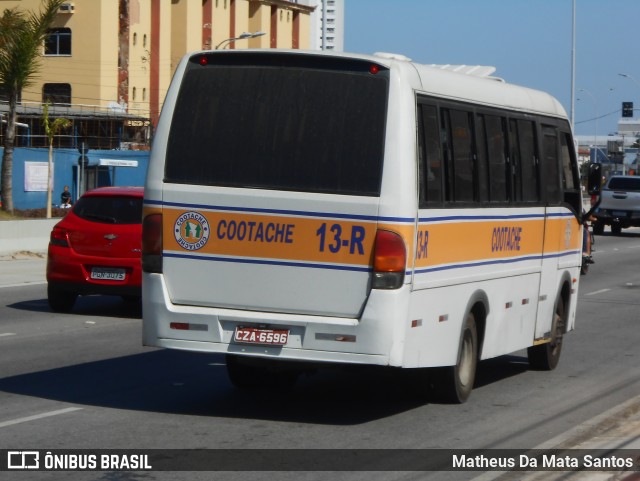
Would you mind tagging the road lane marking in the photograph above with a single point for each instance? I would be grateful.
(7, 334)
(37, 416)
(601, 291)
(22, 284)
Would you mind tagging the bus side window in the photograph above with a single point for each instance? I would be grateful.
(447, 154)
(550, 170)
(528, 161)
(570, 178)
(430, 156)
(422, 159)
(496, 153)
(529, 170)
(482, 167)
(515, 157)
(462, 143)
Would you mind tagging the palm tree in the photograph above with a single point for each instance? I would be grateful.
(22, 36)
(51, 129)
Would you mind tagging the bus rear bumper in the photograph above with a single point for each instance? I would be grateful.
(366, 340)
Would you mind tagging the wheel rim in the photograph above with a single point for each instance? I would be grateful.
(465, 371)
(556, 338)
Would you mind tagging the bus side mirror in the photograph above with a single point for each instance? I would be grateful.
(594, 179)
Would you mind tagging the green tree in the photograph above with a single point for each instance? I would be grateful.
(22, 35)
(51, 129)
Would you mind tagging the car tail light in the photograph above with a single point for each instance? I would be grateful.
(59, 237)
(152, 243)
(389, 260)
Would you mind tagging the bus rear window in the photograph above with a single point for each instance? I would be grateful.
(300, 128)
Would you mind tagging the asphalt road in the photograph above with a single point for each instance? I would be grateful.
(83, 380)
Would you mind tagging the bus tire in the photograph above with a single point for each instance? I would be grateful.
(455, 383)
(248, 373)
(545, 357)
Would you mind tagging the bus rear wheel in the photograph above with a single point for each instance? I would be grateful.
(455, 383)
(545, 357)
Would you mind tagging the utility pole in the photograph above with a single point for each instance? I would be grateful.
(573, 65)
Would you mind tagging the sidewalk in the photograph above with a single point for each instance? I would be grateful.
(23, 268)
(615, 432)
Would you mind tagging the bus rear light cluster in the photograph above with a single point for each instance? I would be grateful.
(389, 260)
(152, 243)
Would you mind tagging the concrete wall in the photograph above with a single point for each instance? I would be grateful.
(65, 172)
(31, 235)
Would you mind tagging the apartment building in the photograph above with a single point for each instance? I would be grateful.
(117, 57)
(327, 25)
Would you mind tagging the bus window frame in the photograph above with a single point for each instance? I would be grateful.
(482, 172)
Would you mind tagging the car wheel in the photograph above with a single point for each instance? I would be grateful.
(545, 357)
(60, 300)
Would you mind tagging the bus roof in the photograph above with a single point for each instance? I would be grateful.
(456, 82)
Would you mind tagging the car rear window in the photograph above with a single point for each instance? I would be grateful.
(281, 122)
(624, 183)
(110, 209)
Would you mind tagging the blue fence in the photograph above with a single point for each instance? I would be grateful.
(102, 168)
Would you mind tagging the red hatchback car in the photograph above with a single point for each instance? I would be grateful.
(96, 248)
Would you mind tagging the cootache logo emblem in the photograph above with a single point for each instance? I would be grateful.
(191, 231)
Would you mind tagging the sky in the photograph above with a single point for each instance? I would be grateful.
(528, 41)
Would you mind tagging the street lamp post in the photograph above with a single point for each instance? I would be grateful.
(595, 134)
(638, 84)
(242, 36)
(573, 65)
(629, 77)
(625, 75)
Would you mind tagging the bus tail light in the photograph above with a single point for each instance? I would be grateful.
(152, 243)
(389, 260)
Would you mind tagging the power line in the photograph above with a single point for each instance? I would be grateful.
(598, 118)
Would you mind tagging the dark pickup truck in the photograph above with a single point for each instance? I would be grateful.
(620, 206)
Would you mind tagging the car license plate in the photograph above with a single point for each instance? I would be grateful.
(252, 335)
(619, 213)
(105, 274)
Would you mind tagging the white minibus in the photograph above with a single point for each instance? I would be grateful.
(314, 207)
